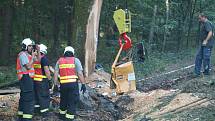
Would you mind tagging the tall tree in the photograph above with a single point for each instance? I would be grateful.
(192, 4)
(36, 20)
(165, 27)
(6, 31)
(81, 12)
(92, 37)
(151, 33)
(56, 27)
(70, 10)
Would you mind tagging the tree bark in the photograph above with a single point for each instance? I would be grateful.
(192, 10)
(36, 21)
(179, 31)
(199, 26)
(165, 27)
(151, 33)
(92, 37)
(71, 22)
(6, 33)
(56, 30)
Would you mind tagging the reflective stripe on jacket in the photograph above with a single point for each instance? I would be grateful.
(38, 71)
(67, 70)
(19, 69)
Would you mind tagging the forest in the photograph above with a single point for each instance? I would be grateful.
(164, 25)
(169, 30)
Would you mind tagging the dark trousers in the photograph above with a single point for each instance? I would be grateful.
(69, 97)
(203, 57)
(26, 101)
(42, 97)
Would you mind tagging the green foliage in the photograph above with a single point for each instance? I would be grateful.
(158, 63)
(7, 75)
(152, 64)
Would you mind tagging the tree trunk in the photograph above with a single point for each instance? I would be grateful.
(192, 10)
(36, 21)
(6, 33)
(69, 30)
(92, 37)
(199, 27)
(165, 27)
(70, 22)
(151, 33)
(73, 21)
(79, 22)
(179, 31)
(56, 30)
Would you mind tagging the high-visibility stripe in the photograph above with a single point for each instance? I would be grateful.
(19, 113)
(19, 69)
(38, 79)
(44, 110)
(68, 80)
(67, 66)
(39, 76)
(36, 106)
(69, 116)
(32, 76)
(28, 116)
(62, 112)
(37, 65)
(69, 77)
(26, 72)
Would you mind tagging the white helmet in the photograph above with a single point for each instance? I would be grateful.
(27, 42)
(43, 48)
(69, 48)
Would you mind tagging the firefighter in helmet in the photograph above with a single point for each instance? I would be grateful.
(70, 70)
(25, 73)
(41, 83)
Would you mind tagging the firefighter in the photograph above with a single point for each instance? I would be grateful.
(70, 69)
(41, 83)
(25, 73)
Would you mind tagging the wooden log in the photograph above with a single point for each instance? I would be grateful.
(9, 91)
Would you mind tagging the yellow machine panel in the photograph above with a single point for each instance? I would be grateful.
(125, 77)
(123, 20)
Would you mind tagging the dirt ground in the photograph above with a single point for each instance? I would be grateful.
(188, 99)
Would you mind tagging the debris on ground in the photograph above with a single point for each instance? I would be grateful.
(181, 99)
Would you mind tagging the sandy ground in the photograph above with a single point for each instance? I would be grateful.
(154, 104)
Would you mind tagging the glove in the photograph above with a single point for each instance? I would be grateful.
(83, 88)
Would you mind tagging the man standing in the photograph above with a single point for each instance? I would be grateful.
(207, 41)
(25, 73)
(70, 69)
(41, 83)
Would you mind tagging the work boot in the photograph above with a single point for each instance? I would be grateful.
(206, 73)
(36, 111)
(67, 119)
(46, 114)
(61, 117)
(19, 118)
(195, 75)
(209, 83)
